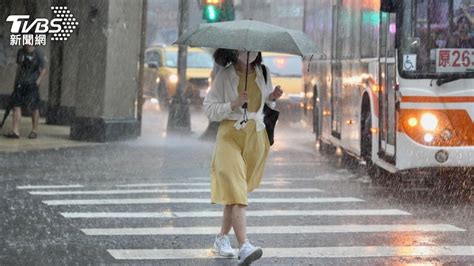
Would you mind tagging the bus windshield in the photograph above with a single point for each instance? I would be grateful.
(437, 38)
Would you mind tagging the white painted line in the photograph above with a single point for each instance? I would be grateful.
(296, 163)
(202, 214)
(347, 228)
(139, 191)
(49, 186)
(278, 179)
(302, 252)
(205, 184)
(193, 200)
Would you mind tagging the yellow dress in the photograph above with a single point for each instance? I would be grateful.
(240, 155)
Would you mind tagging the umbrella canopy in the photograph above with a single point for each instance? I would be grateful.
(248, 35)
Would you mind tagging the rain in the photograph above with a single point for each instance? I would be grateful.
(139, 132)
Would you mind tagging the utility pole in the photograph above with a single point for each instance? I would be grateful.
(179, 118)
(226, 12)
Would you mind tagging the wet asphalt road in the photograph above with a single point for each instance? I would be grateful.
(35, 233)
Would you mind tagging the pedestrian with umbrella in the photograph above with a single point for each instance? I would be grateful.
(237, 98)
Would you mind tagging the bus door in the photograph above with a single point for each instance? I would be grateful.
(387, 87)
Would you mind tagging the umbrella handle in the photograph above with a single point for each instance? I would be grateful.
(245, 105)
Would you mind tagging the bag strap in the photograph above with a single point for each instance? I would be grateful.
(264, 71)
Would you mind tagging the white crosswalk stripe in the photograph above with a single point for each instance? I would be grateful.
(301, 252)
(48, 186)
(351, 228)
(142, 191)
(202, 184)
(351, 207)
(194, 201)
(200, 214)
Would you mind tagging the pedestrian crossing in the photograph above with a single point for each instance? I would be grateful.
(120, 201)
(314, 252)
(275, 209)
(143, 191)
(208, 214)
(350, 228)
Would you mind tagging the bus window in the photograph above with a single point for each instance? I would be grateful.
(437, 38)
(369, 32)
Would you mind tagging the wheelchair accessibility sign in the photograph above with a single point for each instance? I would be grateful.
(409, 62)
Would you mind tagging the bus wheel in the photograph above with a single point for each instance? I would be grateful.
(376, 174)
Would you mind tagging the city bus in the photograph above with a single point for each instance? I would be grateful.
(393, 84)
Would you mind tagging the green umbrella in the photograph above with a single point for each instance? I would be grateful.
(248, 35)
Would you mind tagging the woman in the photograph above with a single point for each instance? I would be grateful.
(242, 143)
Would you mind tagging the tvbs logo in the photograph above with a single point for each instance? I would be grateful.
(27, 32)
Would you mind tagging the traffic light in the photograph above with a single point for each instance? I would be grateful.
(212, 10)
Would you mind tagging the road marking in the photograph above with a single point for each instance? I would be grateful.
(277, 179)
(296, 163)
(139, 191)
(49, 186)
(194, 200)
(302, 252)
(347, 228)
(205, 184)
(201, 214)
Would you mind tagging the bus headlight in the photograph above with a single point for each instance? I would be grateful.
(429, 122)
(173, 78)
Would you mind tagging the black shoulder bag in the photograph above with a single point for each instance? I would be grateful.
(270, 116)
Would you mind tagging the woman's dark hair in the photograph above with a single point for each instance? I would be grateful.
(224, 57)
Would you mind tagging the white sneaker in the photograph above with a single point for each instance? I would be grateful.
(249, 253)
(222, 246)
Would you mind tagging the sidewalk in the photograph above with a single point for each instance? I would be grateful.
(49, 137)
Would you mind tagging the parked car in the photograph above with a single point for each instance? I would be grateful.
(161, 74)
(286, 71)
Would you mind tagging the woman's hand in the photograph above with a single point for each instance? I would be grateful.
(243, 98)
(277, 93)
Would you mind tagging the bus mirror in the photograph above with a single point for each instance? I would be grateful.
(388, 6)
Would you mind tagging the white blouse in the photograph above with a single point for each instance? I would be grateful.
(224, 90)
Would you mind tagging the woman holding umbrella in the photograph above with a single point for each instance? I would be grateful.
(236, 99)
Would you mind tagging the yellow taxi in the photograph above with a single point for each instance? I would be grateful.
(286, 71)
(161, 74)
